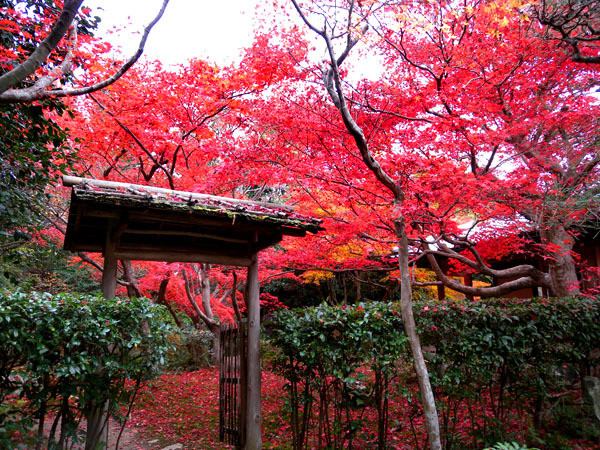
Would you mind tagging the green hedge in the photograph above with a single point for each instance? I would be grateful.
(322, 354)
(496, 365)
(501, 361)
(69, 356)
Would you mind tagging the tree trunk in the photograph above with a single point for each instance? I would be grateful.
(560, 261)
(331, 289)
(97, 425)
(97, 413)
(429, 408)
(129, 277)
(333, 83)
(213, 325)
(161, 299)
(216, 346)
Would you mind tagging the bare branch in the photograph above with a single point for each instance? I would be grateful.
(192, 299)
(139, 143)
(524, 281)
(574, 23)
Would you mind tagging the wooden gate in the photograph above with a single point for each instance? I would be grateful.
(232, 386)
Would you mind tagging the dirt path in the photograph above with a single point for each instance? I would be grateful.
(131, 439)
(134, 439)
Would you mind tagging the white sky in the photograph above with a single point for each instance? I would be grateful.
(215, 30)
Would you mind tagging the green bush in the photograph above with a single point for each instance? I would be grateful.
(342, 357)
(507, 357)
(192, 349)
(71, 356)
(496, 366)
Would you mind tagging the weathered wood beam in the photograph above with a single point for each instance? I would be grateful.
(189, 219)
(182, 256)
(103, 214)
(216, 237)
(216, 248)
(119, 229)
(267, 242)
(290, 231)
(77, 219)
(253, 416)
(179, 219)
(85, 247)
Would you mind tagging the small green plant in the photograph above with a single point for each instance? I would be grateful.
(510, 446)
(192, 349)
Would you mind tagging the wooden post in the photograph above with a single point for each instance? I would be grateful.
(253, 418)
(109, 273)
(97, 416)
(243, 382)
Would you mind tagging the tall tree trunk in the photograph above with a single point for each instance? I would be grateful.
(206, 316)
(161, 299)
(410, 327)
(560, 262)
(333, 83)
(97, 425)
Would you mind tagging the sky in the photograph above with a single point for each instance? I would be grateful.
(216, 29)
(213, 30)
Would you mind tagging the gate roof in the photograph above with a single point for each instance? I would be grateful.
(157, 224)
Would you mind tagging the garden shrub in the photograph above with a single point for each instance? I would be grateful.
(500, 368)
(501, 361)
(192, 349)
(70, 356)
(343, 358)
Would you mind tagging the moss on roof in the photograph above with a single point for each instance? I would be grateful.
(218, 207)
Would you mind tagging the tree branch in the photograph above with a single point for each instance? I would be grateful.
(522, 282)
(8, 95)
(40, 54)
(211, 324)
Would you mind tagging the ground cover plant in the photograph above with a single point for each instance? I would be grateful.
(69, 357)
